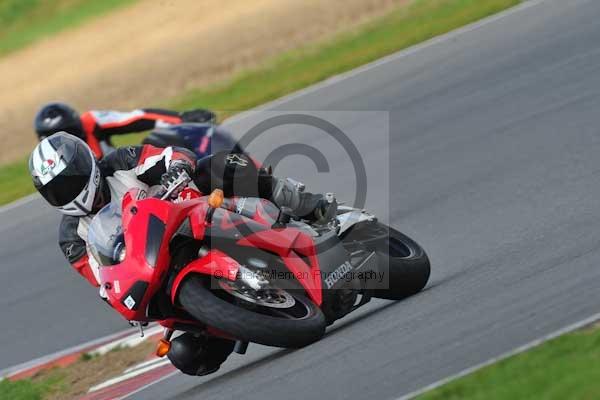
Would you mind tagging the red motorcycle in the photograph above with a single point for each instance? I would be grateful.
(243, 269)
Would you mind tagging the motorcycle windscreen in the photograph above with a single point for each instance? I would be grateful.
(106, 241)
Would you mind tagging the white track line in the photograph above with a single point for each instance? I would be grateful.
(129, 375)
(152, 361)
(138, 390)
(521, 349)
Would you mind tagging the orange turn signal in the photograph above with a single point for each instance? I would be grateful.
(216, 198)
(163, 347)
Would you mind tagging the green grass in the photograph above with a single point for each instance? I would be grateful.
(23, 22)
(14, 182)
(565, 368)
(30, 389)
(294, 70)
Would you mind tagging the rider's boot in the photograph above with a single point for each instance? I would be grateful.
(314, 207)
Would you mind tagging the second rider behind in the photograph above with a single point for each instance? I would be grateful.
(96, 127)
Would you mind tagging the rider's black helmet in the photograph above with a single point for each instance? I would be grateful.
(65, 172)
(57, 117)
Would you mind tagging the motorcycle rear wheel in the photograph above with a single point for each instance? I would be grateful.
(248, 325)
(403, 261)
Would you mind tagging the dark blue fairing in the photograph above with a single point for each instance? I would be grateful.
(202, 138)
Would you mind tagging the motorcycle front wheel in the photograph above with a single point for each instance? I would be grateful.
(281, 319)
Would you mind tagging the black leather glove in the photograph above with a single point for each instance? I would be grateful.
(198, 115)
(175, 169)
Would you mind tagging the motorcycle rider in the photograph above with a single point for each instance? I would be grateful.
(66, 173)
(96, 127)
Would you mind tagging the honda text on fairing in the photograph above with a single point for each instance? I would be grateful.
(242, 269)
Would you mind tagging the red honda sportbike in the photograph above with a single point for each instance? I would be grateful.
(243, 269)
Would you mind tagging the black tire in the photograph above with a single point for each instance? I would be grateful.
(404, 262)
(248, 325)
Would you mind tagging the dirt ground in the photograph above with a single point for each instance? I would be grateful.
(84, 374)
(155, 49)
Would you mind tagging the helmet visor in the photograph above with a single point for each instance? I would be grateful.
(69, 183)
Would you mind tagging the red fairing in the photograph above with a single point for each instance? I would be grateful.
(150, 223)
(82, 266)
(215, 263)
(136, 220)
(197, 221)
(288, 243)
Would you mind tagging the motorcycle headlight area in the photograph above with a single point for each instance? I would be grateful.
(112, 254)
(106, 241)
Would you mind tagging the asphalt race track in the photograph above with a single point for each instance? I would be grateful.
(494, 153)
